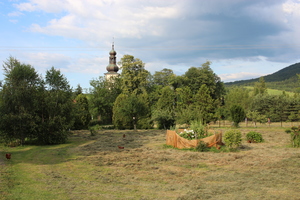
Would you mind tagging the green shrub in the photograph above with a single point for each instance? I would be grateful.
(199, 128)
(174, 128)
(233, 138)
(94, 129)
(253, 136)
(202, 147)
(295, 135)
(188, 134)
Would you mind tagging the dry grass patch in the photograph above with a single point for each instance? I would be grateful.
(93, 167)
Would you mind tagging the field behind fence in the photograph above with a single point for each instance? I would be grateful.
(250, 124)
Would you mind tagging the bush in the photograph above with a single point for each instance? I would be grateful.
(233, 138)
(202, 147)
(144, 123)
(199, 129)
(295, 135)
(93, 129)
(188, 134)
(253, 136)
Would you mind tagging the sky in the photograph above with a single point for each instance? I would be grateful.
(242, 39)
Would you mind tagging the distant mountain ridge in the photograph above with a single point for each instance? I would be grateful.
(285, 75)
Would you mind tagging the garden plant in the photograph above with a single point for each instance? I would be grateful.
(233, 138)
(254, 137)
(295, 135)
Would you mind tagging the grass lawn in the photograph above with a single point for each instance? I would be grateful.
(93, 167)
(273, 91)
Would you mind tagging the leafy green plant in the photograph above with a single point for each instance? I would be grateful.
(255, 137)
(233, 138)
(93, 129)
(295, 135)
(202, 147)
(173, 128)
(199, 128)
(188, 134)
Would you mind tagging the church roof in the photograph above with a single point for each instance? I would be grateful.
(112, 66)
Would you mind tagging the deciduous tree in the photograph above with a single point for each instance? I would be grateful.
(204, 105)
(237, 114)
(184, 105)
(134, 76)
(129, 110)
(238, 96)
(163, 77)
(260, 87)
(103, 96)
(164, 110)
(196, 77)
(81, 113)
(57, 109)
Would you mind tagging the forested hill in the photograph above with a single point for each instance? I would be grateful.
(284, 79)
(283, 74)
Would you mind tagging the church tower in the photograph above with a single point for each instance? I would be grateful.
(112, 68)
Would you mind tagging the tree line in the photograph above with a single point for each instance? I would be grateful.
(43, 110)
(37, 109)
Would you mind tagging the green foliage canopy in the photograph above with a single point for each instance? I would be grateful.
(134, 76)
(164, 111)
(103, 96)
(81, 112)
(204, 75)
(32, 108)
(19, 101)
(237, 114)
(57, 106)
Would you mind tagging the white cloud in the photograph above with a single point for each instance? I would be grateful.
(239, 76)
(93, 19)
(15, 14)
(292, 7)
(43, 61)
(29, 7)
(240, 37)
(86, 64)
(53, 6)
(13, 21)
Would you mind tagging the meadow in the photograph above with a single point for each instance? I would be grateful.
(93, 167)
(272, 91)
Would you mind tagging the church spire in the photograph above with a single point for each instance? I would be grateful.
(112, 68)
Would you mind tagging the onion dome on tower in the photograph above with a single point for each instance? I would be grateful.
(112, 68)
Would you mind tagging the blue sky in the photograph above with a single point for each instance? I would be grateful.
(242, 38)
